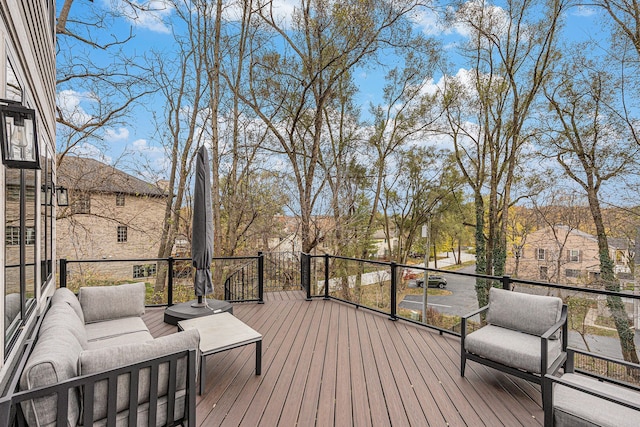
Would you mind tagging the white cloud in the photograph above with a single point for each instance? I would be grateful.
(70, 103)
(92, 152)
(584, 11)
(121, 134)
(150, 14)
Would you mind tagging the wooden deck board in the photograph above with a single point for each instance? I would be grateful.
(326, 363)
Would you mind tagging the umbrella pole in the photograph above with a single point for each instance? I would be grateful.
(200, 303)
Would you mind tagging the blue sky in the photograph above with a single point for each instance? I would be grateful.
(151, 31)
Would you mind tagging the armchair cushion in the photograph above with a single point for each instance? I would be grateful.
(100, 303)
(573, 407)
(531, 314)
(511, 348)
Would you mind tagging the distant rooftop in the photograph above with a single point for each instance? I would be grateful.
(84, 174)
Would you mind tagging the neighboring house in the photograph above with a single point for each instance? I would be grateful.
(286, 234)
(111, 215)
(27, 79)
(563, 255)
(381, 245)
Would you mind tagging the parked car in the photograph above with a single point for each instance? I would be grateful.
(435, 281)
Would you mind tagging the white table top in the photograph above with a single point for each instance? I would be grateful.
(219, 332)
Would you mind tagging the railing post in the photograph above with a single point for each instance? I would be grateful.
(326, 276)
(394, 286)
(170, 281)
(260, 277)
(506, 282)
(63, 272)
(305, 273)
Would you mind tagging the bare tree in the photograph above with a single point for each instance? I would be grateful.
(510, 51)
(95, 95)
(592, 146)
(294, 76)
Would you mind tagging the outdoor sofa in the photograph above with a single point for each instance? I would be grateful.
(586, 399)
(525, 335)
(90, 351)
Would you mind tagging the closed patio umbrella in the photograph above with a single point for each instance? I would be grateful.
(202, 228)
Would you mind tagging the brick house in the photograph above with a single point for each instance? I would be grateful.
(111, 215)
(564, 255)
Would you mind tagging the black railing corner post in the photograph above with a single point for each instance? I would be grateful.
(326, 276)
(305, 273)
(260, 277)
(394, 285)
(63, 272)
(170, 281)
(506, 282)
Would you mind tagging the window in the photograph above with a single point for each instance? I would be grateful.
(544, 273)
(12, 235)
(30, 238)
(122, 234)
(81, 204)
(574, 255)
(572, 272)
(120, 199)
(541, 254)
(147, 270)
(20, 261)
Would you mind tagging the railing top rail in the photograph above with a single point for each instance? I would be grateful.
(234, 258)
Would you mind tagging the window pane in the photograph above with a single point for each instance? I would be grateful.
(30, 235)
(12, 296)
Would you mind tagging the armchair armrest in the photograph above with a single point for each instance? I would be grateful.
(463, 325)
(100, 303)
(544, 344)
(597, 393)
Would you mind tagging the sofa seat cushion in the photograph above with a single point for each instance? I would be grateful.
(53, 359)
(132, 338)
(533, 314)
(114, 328)
(101, 303)
(575, 408)
(99, 360)
(122, 418)
(511, 348)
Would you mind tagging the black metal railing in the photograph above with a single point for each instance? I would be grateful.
(169, 280)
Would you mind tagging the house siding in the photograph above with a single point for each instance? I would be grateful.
(27, 41)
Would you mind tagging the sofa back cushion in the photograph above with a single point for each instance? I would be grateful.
(103, 359)
(112, 302)
(532, 314)
(61, 316)
(54, 359)
(64, 295)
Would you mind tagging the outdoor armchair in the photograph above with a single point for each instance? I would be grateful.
(525, 335)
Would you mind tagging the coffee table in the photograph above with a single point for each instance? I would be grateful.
(221, 332)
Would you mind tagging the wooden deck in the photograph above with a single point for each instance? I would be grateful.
(326, 363)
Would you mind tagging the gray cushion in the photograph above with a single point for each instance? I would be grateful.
(64, 295)
(53, 359)
(12, 306)
(575, 408)
(113, 328)
(132, 338)
(112, 302)
(62, 316)
(533, 314)
(511, 348)
(92, 361)
(143, 413)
